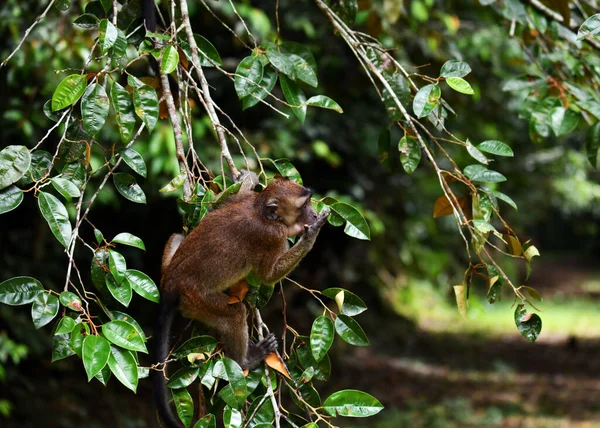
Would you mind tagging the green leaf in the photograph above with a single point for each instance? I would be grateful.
(117, 265)
(104, 375)
(118, 52)
(143, 285)
(123, 365)
(124, 114)
(121, 292)
(232, 418)
(169, 60)
(324, 102)
(410, 153)
(10, 198)
(454, 68)
(123, 334)
(353, 403)
(129, 239)
(461, 300)
(300, 50)
(228, 369)
(592, 142)
(426, 100)
(127, 186)
(476, 154)
(145, 102)
(460, 85)
(184, 405)
(134, 160)
(19, 290)
(80, 332)
(266, 85)
(14, 163)
(496, 148)
(107, 35)
(94, 108)
(294, 96)
(322, 369)
(56, 216)
(208, 421)
(590, 28)
(303, 70)
(44, 309)
(348, 303)
(99, 236)
(70, 300)
(183, 377)
(481, 173)
(122, 316)
(65, 187)
(286, 169)
(483, 226)
(207, 47)
(94, 353)
(282, 62)
(248, 74)
(562, 120)
(356, 225)
(350, 331)
(65, 325)
(529, 325)
(87, 21)
(61, 348)
(198, 344)
(321, 337)
(74, 171)
(502, 197)
(68, 91)
(346, 10)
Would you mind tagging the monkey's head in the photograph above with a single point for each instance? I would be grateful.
(288, 202)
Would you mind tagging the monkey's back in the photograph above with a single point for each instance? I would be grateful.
(226, 245)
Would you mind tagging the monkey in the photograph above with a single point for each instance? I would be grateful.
(246, 234)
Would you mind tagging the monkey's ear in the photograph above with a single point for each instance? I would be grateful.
(271, 209)
(301, 201)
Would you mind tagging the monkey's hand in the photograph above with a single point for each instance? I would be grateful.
(312, 230)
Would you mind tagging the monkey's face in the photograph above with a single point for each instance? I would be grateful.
(289, 203)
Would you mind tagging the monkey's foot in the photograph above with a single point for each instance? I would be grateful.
(268, 344)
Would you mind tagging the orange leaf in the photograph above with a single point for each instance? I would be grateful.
(237, 292)
(442, 206)
(276, 363)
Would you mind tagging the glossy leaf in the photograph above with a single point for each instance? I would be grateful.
(426, 100)
(61, 348)
(143, 285)
(482, 174)
(124, 114)
(563, 120)
(324, 102)
(303, 70)
(229, 370)
(348, 303)
(70, 300)
(346, 10)
(211, 52)
(10, 198)
(495, 147)
(281, 61)
(454, 68)
(145, 102)
(286, 169)
(356, 225)
(460, 85)
(123, 365)
(353, 403)
(184, 405)
(127, 186)
(503, 197)
(55, 214)
(129, 239)
(248, 75)
(87, 21)
(65, 325)
(44, 309)
(107, 35)
(590, 28)
(169, 60)
(123, 334)
(69, 91)
(94, 108)
(117, 265)
(294, 96)
(476, 154)
(529, 325)
(19, 290)
(350, 331)
(321, 337)
(302, 51)
(183, 377)
(121, 316)
(104, 375)
(134, 160)
(410, 153)
(14, 163)
(80, 332)
(208, 421)
(121, 292)
(198, 344)
(266, 85)
(322, 369)
(94, 353)
(232, 418)
(65, 187)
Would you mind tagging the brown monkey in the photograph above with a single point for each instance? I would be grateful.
(248, 233)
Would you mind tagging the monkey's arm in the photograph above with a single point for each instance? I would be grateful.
(290, 259)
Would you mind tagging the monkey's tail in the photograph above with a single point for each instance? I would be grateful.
(166, 311)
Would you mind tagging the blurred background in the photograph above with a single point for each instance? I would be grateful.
(427, 365)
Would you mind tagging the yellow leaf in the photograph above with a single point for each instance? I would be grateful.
(514, 246)
(339, 300)
(530, 253)
(461, 301)
(274, 361)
